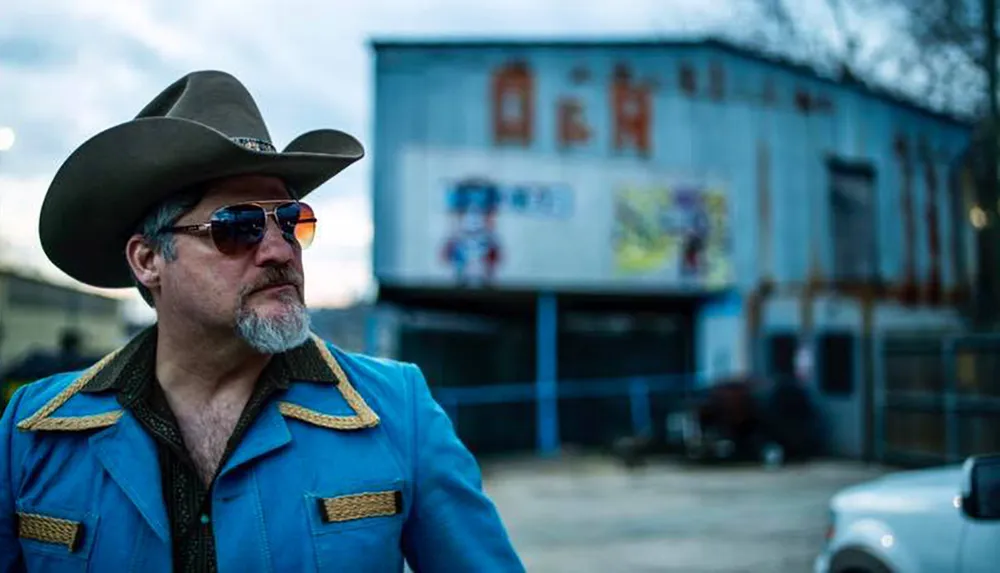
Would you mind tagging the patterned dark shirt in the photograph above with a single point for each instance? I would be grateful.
(132, 376)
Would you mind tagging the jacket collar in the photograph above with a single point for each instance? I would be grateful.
(87, 398)
(135, 362)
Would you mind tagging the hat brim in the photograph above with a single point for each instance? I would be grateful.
(109, 183)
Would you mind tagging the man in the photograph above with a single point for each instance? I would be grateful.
(226, 437)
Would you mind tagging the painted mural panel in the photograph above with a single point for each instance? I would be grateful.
(473, 246)
(680, 230)
(480, 218)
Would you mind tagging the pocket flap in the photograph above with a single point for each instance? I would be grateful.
(360, 505)
(50, 530)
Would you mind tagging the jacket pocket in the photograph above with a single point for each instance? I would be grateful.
(55, 539)
(358, 527)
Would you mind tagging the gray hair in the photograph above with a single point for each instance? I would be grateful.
(159, 218)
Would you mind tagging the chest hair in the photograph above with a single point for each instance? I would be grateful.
(206, 434)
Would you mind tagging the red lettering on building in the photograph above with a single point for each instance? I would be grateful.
(631, 109)
(572, 127)
(513, 105)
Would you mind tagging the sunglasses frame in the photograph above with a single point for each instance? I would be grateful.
(272, 214)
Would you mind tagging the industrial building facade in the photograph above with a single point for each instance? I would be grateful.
(569, 234)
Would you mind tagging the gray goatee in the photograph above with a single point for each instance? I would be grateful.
(274, 334)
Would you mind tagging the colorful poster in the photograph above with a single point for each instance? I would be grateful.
(679, 230)
(473, 247)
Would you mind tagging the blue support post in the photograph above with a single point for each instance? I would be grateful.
(642, 417)
(546, 393)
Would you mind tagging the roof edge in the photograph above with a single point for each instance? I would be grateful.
(700, 41)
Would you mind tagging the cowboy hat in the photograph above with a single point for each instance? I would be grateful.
(204, 126)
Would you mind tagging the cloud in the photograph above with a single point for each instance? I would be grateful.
(72, 68)
(20, 204)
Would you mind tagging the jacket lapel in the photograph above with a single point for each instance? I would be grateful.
(268, 433)
(129, 455)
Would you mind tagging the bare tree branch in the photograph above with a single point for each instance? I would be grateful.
(931, 50)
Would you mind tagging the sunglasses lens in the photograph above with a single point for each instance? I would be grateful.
(237, 228)
(299, 221)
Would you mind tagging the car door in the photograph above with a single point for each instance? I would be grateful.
(980, 546)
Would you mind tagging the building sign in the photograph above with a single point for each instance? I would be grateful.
(554, 200)
(627, 99)
(632, 107)
(513, 112)
(472, 247)
(474, 217)
(683, 229)
(513, 105)
(573, 129)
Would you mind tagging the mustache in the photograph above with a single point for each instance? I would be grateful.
(275, 276)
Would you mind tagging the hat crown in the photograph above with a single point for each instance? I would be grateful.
(203, 127)
(212, 98)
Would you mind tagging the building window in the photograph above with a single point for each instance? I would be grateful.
(836, 363)
(853, 222)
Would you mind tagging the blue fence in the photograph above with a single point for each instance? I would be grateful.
(648, 400)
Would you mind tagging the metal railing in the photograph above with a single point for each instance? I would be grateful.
(645, 400)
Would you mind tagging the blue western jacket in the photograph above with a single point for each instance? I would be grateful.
(356, 476)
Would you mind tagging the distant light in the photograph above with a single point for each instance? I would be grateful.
(957, 502)
(887, 541)
(977, 217)
(6, 138)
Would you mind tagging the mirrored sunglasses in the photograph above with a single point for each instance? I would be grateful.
(235, 229)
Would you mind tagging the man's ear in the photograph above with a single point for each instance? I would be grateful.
(142, 259)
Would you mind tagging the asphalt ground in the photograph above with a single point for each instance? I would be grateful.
(587, 515)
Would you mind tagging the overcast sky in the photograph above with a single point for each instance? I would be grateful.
(70, 68)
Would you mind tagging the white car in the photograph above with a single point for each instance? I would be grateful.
(941, 520)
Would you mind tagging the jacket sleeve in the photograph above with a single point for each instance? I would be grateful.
(453, 525)
(10, 547)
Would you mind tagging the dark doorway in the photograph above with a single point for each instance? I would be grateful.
(609, 348)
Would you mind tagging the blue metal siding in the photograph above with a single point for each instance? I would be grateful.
(440, 96)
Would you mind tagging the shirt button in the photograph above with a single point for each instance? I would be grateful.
(205, 519)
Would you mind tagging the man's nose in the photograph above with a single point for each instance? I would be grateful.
(274, 248)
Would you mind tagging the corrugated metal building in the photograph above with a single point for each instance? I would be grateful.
(569, 232)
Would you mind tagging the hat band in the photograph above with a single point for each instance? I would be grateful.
(254, 144)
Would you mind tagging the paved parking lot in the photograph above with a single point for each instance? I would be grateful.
(590, 515)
